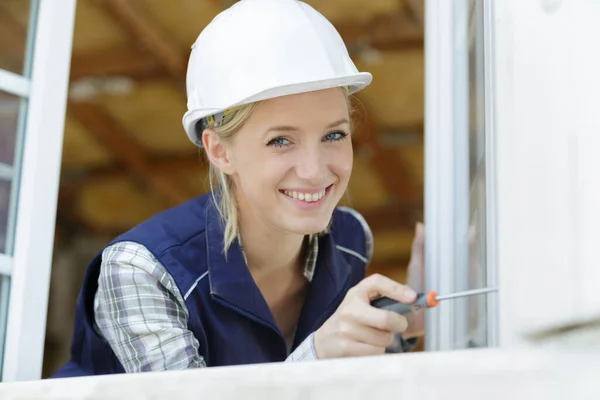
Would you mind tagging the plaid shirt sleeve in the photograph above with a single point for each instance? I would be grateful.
(141, 313)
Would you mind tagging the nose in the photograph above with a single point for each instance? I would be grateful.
(311, 165)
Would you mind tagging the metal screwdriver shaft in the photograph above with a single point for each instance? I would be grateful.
(424, 300)
(466, 293)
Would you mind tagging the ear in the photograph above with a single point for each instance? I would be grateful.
(216, 150)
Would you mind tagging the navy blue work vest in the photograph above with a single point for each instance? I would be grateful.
(227, 313)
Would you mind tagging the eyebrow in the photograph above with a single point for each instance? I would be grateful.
(287, 128)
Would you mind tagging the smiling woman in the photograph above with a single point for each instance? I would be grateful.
(266, 267)
(286, 156)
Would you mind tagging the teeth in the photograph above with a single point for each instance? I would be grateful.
(308, 197)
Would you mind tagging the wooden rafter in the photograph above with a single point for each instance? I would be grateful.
(396, 270)
(417, 11)
(386, 161)
(69, 221)
(126, 61)
(385, 32)
(392, 217)
(145, 31)
(163, 165)
(12, 34)
(114, 137)
(395, 31)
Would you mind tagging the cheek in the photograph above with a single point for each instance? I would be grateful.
(342, 164)
(257, 175)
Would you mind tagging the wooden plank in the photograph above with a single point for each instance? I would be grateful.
(134, 63)
(114, 137)
(157, 165)
(388, 32)
(393, 270)
(386, 161)
(12, 35)
(416, 8)
(145, 30)
(393, 216)
(394, 32)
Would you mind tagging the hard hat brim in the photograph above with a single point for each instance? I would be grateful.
(354, 83)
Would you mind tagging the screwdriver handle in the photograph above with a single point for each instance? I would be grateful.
(424, 300)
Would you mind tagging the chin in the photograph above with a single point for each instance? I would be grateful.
(308, 226)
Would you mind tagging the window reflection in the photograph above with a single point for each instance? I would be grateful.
(476, 306)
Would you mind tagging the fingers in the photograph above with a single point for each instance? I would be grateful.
(357, 328)
(382, 320)
(378, 285)
(368, 335)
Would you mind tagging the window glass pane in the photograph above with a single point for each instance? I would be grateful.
(4, 211)
(9, 118)
(475, 307)
(14, 23)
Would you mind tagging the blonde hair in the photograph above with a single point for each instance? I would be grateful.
(221, 184)
(224, 197)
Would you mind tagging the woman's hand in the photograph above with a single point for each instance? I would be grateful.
(359, 329)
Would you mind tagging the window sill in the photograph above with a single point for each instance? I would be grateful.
(468, 374)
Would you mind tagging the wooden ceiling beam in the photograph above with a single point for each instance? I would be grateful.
(416, 8)
(386, 32)
(389, 32)
(396, 270)
(148, 33)
(69, 221)
(386, 161)
(163, 165)
(125, 61)
(113, 136)
(393, 216)
(12, 35)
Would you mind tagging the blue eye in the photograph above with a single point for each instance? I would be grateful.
(278, 142)
(335, 136)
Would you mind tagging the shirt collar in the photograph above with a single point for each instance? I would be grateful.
(310, 254)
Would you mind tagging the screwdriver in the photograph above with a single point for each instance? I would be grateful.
(424, 300)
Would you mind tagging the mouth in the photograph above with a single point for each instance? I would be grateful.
(307, 199)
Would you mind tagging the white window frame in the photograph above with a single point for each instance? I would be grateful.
(542, 144)
(447, 171)
(38, 174)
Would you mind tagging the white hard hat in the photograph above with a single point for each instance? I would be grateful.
(260, 49)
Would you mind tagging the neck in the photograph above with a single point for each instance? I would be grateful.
(268, 250)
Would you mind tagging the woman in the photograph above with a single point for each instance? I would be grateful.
(265, 267)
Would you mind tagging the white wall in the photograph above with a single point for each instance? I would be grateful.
(547, 130)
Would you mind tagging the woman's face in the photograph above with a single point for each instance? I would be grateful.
(292, 160)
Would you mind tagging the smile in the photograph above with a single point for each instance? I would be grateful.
(307, 197)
